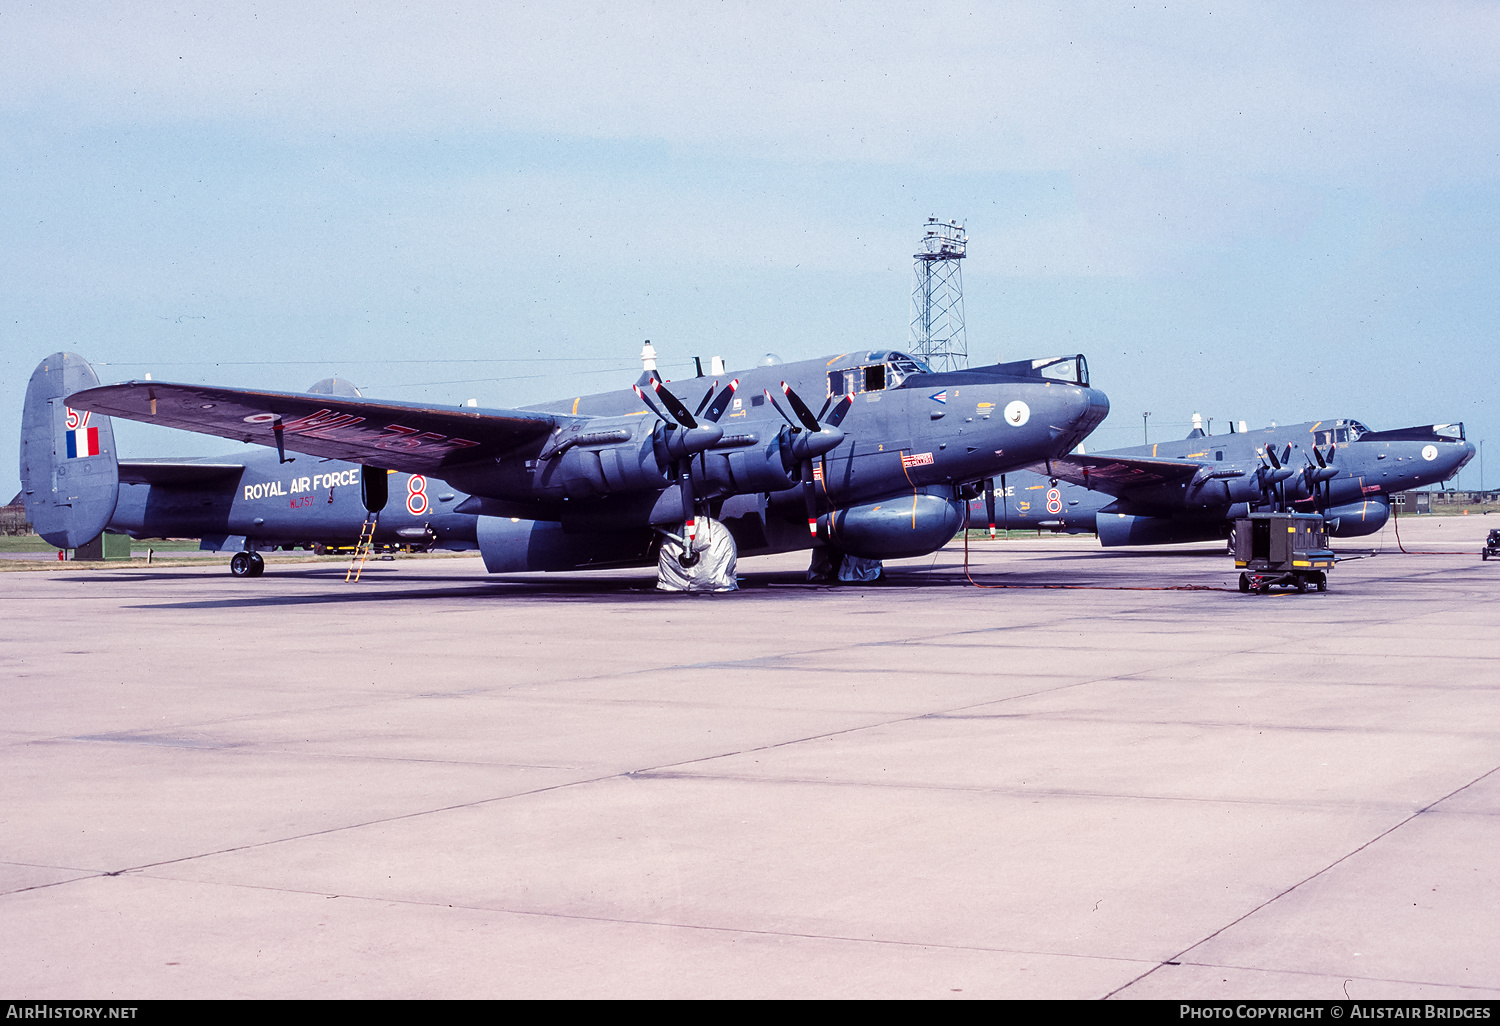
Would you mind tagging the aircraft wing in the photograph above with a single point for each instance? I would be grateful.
(409, 437)
(1116, 474)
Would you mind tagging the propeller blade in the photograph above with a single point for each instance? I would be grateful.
(674, 405)
(1271, 454)
(689, 501)
(649, 404)
(840, 411)
(706, 397)
(826, 403)
(722, 402)
(1287, 456)
(779, 410)
(800, 408)
(1319, 454)
(810, 498)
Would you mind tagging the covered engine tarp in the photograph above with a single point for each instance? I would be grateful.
(829, 565)
(714, 569)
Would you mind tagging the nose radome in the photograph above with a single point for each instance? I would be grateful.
(1086, 411)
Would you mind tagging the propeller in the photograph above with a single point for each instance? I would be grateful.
(1319, 476)
(1272, 478)
(680, 438)
(809, 440)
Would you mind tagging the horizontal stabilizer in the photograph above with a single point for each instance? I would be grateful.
(178, 472)
(409, 437)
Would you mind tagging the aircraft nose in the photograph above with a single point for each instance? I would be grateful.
(1086, 411)
(1465, 456)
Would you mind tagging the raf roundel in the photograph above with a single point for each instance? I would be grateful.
(1429, 453)
(1017, 413)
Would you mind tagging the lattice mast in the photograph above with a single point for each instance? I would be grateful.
(937, 298)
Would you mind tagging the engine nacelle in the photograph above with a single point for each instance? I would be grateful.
(610, 459)
(522, 546)
(1124, 529)
(895, 528)
(1354, 519)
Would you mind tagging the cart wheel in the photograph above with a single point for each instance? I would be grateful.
(1301, 586)
(1245, 582)
(1264, 589)
(1322, 584)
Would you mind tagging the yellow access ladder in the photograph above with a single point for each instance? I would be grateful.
(362, 547)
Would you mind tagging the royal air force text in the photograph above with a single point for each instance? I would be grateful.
(301, 485)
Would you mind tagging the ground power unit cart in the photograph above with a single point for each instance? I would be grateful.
(1286, 549)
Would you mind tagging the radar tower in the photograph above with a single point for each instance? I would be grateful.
(937, 298)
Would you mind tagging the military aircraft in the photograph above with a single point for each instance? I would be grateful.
(1193, 489)
(598, 480)
(74, 485)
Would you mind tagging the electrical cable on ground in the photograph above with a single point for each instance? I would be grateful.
(1076, 587)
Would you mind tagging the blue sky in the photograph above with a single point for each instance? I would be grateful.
(1253, 211)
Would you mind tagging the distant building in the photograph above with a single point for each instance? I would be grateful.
(1407, 503)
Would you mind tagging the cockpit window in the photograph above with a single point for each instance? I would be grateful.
(1338, 432)
(1072, 369)
(887, 370)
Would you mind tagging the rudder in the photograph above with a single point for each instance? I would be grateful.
(70, 476)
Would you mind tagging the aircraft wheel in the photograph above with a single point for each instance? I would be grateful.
(1245, 583)
(257, 564)
(240, 565)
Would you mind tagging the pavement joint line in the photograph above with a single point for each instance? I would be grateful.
(1342, 976)
(1177, 958)
(1020, 792)
(621, 921)
(1358, 730)
(521, 794)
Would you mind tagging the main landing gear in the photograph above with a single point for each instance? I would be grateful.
(247, 564)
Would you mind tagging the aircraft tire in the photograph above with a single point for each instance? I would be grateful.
(240, 565)
(257, 564)
(1245, 583)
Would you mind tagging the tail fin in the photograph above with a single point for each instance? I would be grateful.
(70, 477)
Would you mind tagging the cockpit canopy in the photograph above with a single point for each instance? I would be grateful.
(873, 372)
(1337, 432)
(1072, 370)
(1421, 433)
